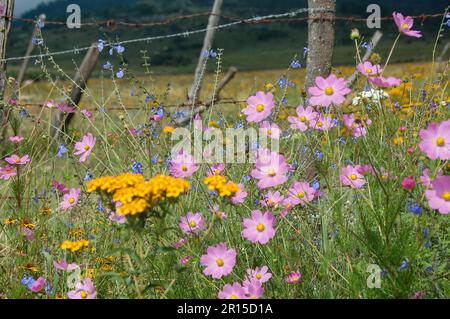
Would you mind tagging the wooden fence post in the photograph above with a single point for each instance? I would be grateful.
(23, 67)
(321, 35)
(6, 13)
(207, 44)
(81, 79)
(199, 109)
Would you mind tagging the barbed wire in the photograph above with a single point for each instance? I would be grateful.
(258, 19)
(273, 18)
(114, 23)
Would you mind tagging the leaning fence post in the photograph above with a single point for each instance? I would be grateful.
(207, 44)
(6, 13)
(60, 121)
(23, 67)
(320, 39)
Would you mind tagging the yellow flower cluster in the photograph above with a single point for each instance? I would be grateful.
(219, 183)
(136, 194)
(74, 245)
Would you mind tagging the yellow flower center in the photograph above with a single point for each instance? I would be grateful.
(258, 276)
(193, 223)
(301, 194)
(71, 200)
(18, 160)
(272, 172)
(353, 177)
(217, 171)
(219, 262)
(260, 107)
(446, 196)
(369, 71)
(83, 294)
(87, 147)
(319, 124)
(260, 227)
(329, 90)
(405, 26)
(440, 141)
(295, 278)
(302, 118)
(269, 131)
(184, 168)
(233, 297)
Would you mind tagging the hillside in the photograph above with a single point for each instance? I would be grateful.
(270, 46)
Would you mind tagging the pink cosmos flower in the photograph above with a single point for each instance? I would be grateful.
(66, 108)
(259, 106)
(27, 233)
(70, 199)
(404, 25)
(219, 261)
(86, 113)
(260, 228)
(270, 169)
(180, 243)
(184, 260)
(369, 69)
(261, 274)
(301, 193)
(232, 291)
(16, 139)
(365, 169)
(63, 265)
(50, 104)
(183, 165)
(17, 160)
(240, 196)
(38, 285)
(215, 210)
(350, 176)
(85, 146)
(322, 122)
(253, 288)
(331, 90)
(216, 169)
(83, 290)
(7, 172)
(294, 277)
(356, 126)
(192, 223)
(435, 140)
(383, 82)
(408, 183)
(272, 200)
(303, 118)
(270, 130)
(438, 195)
(288, 205)
(60, 187)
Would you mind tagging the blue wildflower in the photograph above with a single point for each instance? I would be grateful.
(88, 177)
(316, 184)
(101, 45)
(61, 150)
(296, 64)
(414, 208)
(120, 73)
(107, 66)
(155, 159)
(404, 264)
(137, 168)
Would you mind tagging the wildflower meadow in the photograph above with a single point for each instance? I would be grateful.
(336, 190)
